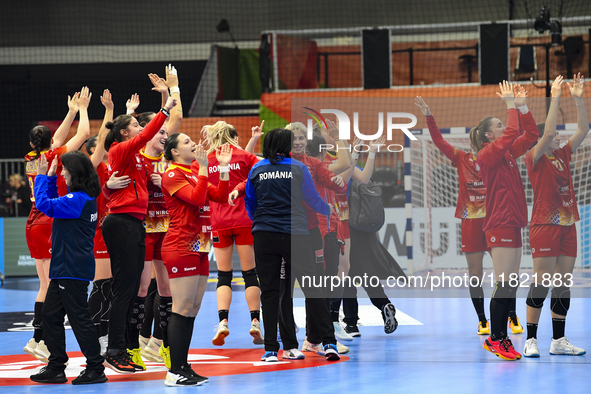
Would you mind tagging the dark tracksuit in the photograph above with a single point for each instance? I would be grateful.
(71, 269)
(274, 195)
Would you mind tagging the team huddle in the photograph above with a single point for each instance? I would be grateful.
(139, 213)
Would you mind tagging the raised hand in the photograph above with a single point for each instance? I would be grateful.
(556, 87)
(520, 95)
(201, 156)
(224, 155)
(374, 145)
(578, 86)
(172, 79)
(42, 165)
(419, 102)
(85, 97)
(159, 84)
(132, 103)
(232, 196)
(333, 129)
(106, 100)
(257, 131)
(73, 102)
(506, 93)
(53, 167)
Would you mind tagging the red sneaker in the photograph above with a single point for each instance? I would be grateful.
(509, 345)
(499, 349)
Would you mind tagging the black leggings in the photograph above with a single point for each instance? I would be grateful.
(125, 238)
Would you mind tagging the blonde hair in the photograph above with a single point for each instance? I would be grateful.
(297, 126)
(219, 134)
(478, 134)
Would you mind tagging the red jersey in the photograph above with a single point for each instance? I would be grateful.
(125, 157)
(505, 196)
(188, 230)
(472, 192)
(223, 215)
(342, 202)
(31, 170)
(101, 200)
(157, 218)
(327, 224)
(321, 176)
(554, 195)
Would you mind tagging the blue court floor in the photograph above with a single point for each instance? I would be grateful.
(434, 350)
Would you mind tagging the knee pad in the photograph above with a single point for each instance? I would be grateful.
(250, 278)
(224, 279)
(536, 295)
(560, 301)
(502, 292)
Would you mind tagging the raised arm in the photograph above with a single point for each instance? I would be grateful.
(99, 151)
(343, 162)
(132, 104)
(257, 132)
(176, 115)
(62, 132)
(436, 136)
(550, 125)
(364, 175)
(83, 131)
(530, 134)
(220, 194)
(577, 89)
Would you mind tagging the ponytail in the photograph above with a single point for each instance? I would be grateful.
(478, 134)
(120, 123)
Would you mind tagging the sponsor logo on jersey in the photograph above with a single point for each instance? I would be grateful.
(546, 250)
(533, 250)
(506, 240)
(171, 174)
(190, 269)
(174, 270)
(493, 239)
(69, 195)
(275, 175)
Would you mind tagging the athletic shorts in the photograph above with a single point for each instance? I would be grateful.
(550, 240)
(238, 236)
(39, 240)
(343, 230)
(100, 248)
(473, 237)
(154, 246)
(504, 237)
(182, 264)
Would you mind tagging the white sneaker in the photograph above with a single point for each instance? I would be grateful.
(41, 352)
(151, 351)
(30, 347)
(104, 342)
(312, 347)
(293, 354)
(340, 332)
(531, 348)
(143, 341)
(256, 332)
(563, 346)
(342, 349)
(222, 331)
(182, 378)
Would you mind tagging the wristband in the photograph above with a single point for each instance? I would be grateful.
(175, 89)
(224, 169)
(524, 109)
(336, 140)
(129, 112)
(355, 156)
(165, 112)
(371, 155)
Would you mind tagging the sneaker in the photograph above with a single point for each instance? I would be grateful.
(41, 352)
(90, 377)
(270, 357)
(564, 347)
(136, 359)
(143, 342)
(515, 326)
(222, 331)
(499, 349)
(483, 330)
(389, 316)
(205, 379)
(340, 333)
(182, 377)
(256, 332)
(511, 348)
(151, 351)
(293, 354)
(31, 346)
(120, 362)
(312, 347)
(164, 352)
(104, 342)
(342, 349)
(531, 348)
(331, 353)
(46, 375)
(352, 330)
